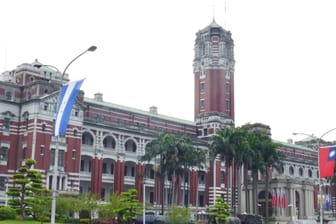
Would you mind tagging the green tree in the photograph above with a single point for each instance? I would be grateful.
(272, 159)
(242, 155)
(163, 147)
(67, 206)
(188, 156)
(266, 157)
(219, 213)
(178, 215)
(88, 203)
(221, 144)
(111, 209)
(41, 205)
(27, 184)
(130, 206)
(256, 142)
(176, 155)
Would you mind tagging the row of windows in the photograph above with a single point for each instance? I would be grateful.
(109, 142)
(6, 126)
(61, 155)
(301, 171)
(227, 105)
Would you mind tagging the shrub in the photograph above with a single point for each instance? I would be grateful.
(7, 213)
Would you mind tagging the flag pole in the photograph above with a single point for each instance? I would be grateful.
(318, 140)
(55, 168)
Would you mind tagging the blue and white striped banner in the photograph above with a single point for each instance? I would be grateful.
(66, 100)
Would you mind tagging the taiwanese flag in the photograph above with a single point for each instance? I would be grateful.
(327, 157)
(273, 199)
(283, 200)
(278, 199)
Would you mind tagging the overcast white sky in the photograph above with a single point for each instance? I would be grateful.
(285, 52)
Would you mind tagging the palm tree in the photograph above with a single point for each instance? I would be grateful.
(220, 144)
(190, 156)
(265, 156)
(158, 147)
(242, 155)
(177, 154)
(271, 159)
(256, 164)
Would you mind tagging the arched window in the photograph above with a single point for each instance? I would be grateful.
(130, 146)
(87, 139)
(310, 173)
(109, 142)
(291, 170)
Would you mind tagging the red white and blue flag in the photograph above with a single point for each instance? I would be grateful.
(283, 200)
(327, 157)
(66, 100)
(273, 199)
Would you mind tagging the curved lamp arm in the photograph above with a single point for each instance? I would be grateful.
(92, 48)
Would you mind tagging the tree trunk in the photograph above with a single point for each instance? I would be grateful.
(162, 194)
(266, 193)
(238, 189)
(255, 192)
(227, 168)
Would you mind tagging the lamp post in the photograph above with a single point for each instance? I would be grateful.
(144, 203)
(55, 168)
(318, 140)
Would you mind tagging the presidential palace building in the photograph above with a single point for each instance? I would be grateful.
(101, 150)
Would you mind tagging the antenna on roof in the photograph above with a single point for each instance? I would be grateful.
(224, 14)
(5, 59)
(213, 12)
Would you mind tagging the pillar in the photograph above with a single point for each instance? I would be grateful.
(119, 176)
(96, 176)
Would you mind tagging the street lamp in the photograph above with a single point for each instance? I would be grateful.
(55, 169)
(318, 159)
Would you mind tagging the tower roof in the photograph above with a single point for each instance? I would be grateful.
(213, 24)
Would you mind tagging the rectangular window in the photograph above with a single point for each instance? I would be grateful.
(227, 87)
(73, 154)
(202, 86)
(42, 150)
(61, 154)
(103, 194)
(8, 95)
(3, 154)
(202, 104)
(3, 182)
(125, 173)
(82, 165)
(133, 172)
(6, 124)
(228, 106)
(151, 197)
(104, 167)
(112, 168)
(27, 123)
(151, 175)
(205, 132)
(24, 153)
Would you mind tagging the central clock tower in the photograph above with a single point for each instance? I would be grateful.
(214, 79)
